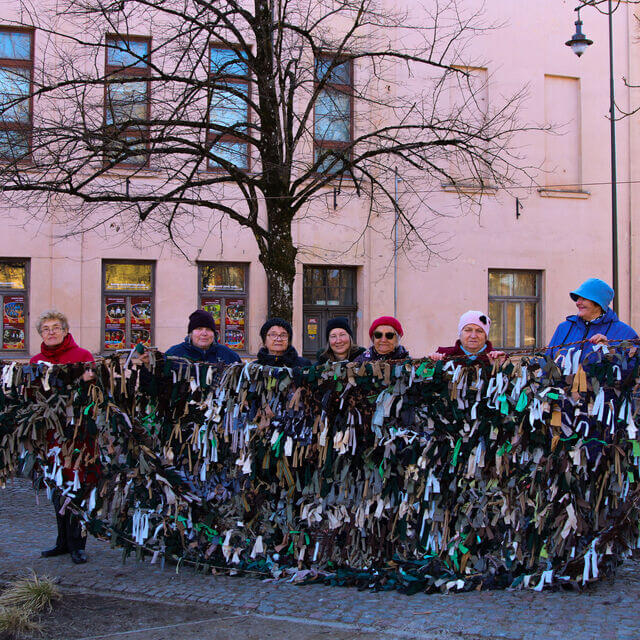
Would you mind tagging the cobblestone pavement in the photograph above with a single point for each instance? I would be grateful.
(607, 611)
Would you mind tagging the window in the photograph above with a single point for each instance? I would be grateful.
(327, 292)
(127, 303)
(469, 111)
(514, 308)
(16, 77)
(228, 108)
(223, 292)
(563, 145)
(14, 287)
(127, 100)
(333, 127)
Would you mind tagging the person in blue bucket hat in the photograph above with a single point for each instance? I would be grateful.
(594, 323)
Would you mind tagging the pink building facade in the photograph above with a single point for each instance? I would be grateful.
(518, 256)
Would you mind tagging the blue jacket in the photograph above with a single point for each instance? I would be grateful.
(215, 353)
(574, 329)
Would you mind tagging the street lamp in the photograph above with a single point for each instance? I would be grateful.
(579, 43)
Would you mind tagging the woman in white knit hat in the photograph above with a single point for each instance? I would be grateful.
(473, 340)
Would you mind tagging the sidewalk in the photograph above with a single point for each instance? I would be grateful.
(251, 608)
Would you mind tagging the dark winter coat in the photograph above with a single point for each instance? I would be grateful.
(457, 352)
(399, 353)
(215, 353)
(289, 358)
(575, 329)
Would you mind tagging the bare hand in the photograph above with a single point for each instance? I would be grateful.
(599, 338)
(497, 355)
(89, 375)
(436, 356)
(143, 359)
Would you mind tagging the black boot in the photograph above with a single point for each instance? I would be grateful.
(78, 556)
(55, 551)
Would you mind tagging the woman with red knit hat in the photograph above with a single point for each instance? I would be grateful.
(385, 333)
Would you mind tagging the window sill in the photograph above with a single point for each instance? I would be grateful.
(9, 356)
(574, 194)
(472, 188)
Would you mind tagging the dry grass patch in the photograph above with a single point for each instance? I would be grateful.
(15, 621)
(31, 593)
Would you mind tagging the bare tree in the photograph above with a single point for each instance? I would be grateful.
(249, 110)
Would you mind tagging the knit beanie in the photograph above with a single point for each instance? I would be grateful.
(201, 318)
(338, 323)
(275, 322)
(474, 317)
(595, 290)
(389, 321)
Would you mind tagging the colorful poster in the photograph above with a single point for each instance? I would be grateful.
(14, 310)
(312, 328)
(13, 320)
(12, 338)
(212, 305)
(140, 321)
(114, 323)
(234, 323)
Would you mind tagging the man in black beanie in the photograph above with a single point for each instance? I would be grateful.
(276, 334)
(200, 344)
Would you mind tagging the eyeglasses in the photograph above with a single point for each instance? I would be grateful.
(278, 336)
(389, 335)
(55, 329)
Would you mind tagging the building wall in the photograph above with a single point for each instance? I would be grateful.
(562, 231)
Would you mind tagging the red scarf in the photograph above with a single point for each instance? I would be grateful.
(55, 351)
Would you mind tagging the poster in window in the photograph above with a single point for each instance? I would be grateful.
(234, 323)
(114, 323)
(13, 331)
(212, 305)
(312, 329)
(140, 321)
(12, 275)
(14, 310)
(136, 276)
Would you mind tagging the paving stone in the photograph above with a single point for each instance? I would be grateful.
(605, 612)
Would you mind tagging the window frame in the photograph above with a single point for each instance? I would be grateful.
(349, 91)
(134, 73)
(223, 295)
(521, 299)
(24, 64)
(127, 294)
(25, 293)
(318, 315)
(213, 138)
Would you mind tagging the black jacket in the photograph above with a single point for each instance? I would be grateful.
(289, 358)
(215, 353)
(399, 353)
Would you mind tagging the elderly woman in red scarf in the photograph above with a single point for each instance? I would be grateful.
(59, 347)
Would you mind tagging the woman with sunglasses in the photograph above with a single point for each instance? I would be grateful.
(340, 345)
(472, 343)
(385, 333)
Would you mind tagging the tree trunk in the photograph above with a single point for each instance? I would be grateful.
(279, 262)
